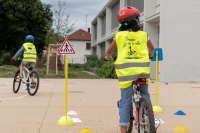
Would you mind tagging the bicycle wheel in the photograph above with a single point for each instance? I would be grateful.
(146, 116)
(16, 82)
(130, 128)
(34, 83)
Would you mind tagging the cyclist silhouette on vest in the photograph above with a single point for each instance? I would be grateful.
(132, 52)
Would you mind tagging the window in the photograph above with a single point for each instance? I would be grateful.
(88, 46)
(115, 10)
(103, 25)
(139, 4)
(95, 31)
(103, 47)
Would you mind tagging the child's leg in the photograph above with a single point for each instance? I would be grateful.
(21, 68)
(125, 108)
(144, 91)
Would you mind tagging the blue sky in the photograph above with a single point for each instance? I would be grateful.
(78, 9)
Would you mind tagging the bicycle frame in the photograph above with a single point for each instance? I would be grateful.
(26, 77)
(136, 98)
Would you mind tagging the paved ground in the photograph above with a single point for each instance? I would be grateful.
(95, 102)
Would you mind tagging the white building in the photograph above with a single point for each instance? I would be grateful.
(81, 43)
(171, 25)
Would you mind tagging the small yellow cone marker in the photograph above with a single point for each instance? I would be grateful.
(181, 129)
(157, 109)
(86, 130)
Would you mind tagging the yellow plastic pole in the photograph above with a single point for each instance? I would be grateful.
(66, 85)
(66, 120)
(156, 78)
(156, 108)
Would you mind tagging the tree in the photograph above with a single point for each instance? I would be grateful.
(63, 26)
(20, 18)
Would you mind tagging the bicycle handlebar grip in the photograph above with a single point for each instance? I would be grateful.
(13, 58)
(105, 59)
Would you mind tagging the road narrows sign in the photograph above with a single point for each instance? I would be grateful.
(66, 48)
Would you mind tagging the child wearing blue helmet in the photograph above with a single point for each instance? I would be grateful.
(29, 54)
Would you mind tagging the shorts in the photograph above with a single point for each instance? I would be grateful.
(31, 64)
(126, 101)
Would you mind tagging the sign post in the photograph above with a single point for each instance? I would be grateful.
(66, 49)
(157, 56)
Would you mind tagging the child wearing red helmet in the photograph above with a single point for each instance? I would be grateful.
(134, 51)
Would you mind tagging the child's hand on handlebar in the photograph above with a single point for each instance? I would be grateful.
(109, 58)
(14, 58)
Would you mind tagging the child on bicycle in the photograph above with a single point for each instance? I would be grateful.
(29, 52)
(134, 50)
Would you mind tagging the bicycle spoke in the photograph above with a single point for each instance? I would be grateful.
(16, 82)
(33, 83)
(146, 116)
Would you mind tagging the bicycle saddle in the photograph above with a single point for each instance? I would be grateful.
(139, 81)
(30, 68)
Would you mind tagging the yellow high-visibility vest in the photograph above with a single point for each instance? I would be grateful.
(30, 54)
(132, 57)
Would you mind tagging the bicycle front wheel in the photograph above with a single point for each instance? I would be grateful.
(16, 82)
(146, 116)
(33, 83)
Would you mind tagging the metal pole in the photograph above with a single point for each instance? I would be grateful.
(86, 20)
(56, 59)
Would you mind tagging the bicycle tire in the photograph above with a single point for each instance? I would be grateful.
(148, 113)
(16, 88)
(130, 128)
(33, 91)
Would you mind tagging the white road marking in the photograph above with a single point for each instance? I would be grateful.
(75, 120)
(72, 113)
(14, 98)
(157, 121)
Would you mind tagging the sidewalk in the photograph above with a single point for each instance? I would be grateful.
(95, 101)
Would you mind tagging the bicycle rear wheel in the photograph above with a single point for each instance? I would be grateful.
(146, 116)
(16, 82)
(34, 83)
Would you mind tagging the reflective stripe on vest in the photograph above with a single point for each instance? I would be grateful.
(30, 54)
(135, 64)
(126, 78)
(133, 59)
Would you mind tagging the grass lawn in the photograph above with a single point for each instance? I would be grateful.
(8, 71)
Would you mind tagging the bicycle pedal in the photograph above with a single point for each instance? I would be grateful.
(118, 104)
(132, 118)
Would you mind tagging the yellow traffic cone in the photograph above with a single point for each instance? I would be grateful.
(86, 130)
(181, 129)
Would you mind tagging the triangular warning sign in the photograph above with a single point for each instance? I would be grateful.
(66, 48)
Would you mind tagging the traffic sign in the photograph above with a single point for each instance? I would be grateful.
(160, 54)
(66, 48)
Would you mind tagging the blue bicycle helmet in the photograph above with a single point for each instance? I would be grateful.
(29, 38)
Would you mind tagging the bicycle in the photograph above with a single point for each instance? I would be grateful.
(141, 114)
(30, 78)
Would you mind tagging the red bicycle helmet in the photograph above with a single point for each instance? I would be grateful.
(127, 14)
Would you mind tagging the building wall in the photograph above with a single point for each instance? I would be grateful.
(151, 27)
(171, 25)
(80, 52)
(179, 38)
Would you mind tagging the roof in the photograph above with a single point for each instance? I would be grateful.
(80, 35)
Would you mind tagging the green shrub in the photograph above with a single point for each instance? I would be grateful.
(75, 66)
(92, 61)
(107, 70)
(92, 58)
(5, 58)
